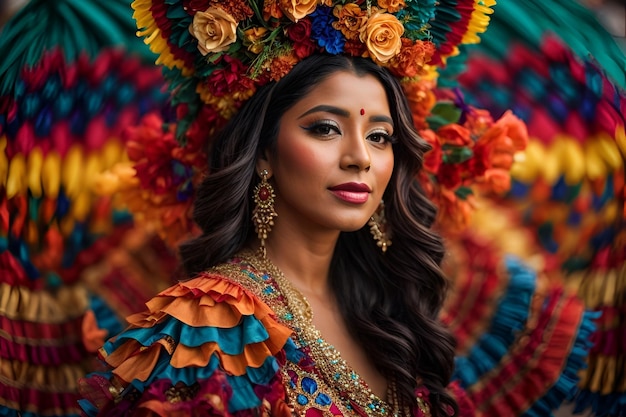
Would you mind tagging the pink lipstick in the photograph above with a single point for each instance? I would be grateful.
(351, 192)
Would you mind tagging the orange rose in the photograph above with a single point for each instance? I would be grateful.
(391, 6)
(382, 35)
(297, 9)
(351, 20)
(214, 29)
(498, 180)
(454, 134)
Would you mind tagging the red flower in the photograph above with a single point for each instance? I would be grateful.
(300, 31)
(432, 158)
(151, 149)
(227, 79)
(193, 6)
(300, 34)
(202, 132)
(449, 176)
(496, 147)
(354, 47)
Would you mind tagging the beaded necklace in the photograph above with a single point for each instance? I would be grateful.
(293, 309)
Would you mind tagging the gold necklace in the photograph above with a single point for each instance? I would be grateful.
(294, 310)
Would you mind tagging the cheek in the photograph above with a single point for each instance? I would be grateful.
(385, 170)
(298, 156)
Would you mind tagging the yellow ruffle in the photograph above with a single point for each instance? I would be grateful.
(157, 43)
(20, 303)
(597, 157)
(58, 378)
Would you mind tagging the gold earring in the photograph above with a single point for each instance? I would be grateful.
(378, 228)
(264, 213)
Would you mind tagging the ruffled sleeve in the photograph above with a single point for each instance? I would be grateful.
(207, 346)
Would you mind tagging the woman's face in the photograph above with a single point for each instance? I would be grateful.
(334, 155)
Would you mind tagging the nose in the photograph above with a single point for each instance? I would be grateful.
(356, 153)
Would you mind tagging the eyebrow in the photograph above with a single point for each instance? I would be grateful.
(344, 113)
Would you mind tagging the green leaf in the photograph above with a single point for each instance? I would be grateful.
(463, 192)
(444, 113)
(457, 155)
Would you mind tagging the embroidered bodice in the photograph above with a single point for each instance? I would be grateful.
(236, 341)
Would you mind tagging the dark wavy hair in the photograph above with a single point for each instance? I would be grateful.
(393, 310)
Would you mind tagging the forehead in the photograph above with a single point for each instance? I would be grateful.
(348, 91)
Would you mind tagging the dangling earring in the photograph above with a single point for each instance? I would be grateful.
(378, 228)
(263, 213)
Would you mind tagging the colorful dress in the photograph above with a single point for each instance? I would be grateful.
(228, 342)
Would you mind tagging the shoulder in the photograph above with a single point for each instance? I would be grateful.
(212, 335)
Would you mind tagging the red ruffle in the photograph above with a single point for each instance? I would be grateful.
(66, 353)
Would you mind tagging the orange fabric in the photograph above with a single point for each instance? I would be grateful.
(93, 336)
(205, 301)
(253, 355)
(209, 300)
(140, 365)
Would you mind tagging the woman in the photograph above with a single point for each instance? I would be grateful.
(331, 140)
(315, 284)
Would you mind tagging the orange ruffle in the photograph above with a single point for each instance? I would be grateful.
(206, 301)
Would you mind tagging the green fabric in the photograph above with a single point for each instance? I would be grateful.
(528, 21)
(76, 26)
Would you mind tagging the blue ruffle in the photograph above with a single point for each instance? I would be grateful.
(230, 340)
(611, 405)
(566, 388)
(509, 317)
(10, 412)
(105, 316)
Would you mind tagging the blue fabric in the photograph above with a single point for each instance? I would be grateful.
(230, 340)
(510, 316)
(10, 412)
(243, 394)
(612, 405)
(566, 387)
(105, 316)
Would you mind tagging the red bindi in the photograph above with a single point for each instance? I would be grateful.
(362, 112)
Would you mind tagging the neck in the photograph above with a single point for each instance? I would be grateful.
(303, 258)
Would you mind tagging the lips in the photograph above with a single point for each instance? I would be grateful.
(351, 192)
(352, 187)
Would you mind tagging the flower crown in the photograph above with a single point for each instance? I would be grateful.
(217, 53)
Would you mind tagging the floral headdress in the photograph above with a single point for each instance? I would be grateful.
(216, 54)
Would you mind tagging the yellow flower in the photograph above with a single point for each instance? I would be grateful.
(297, 9)
(383, 36)
(214, 29)
(254, 36)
